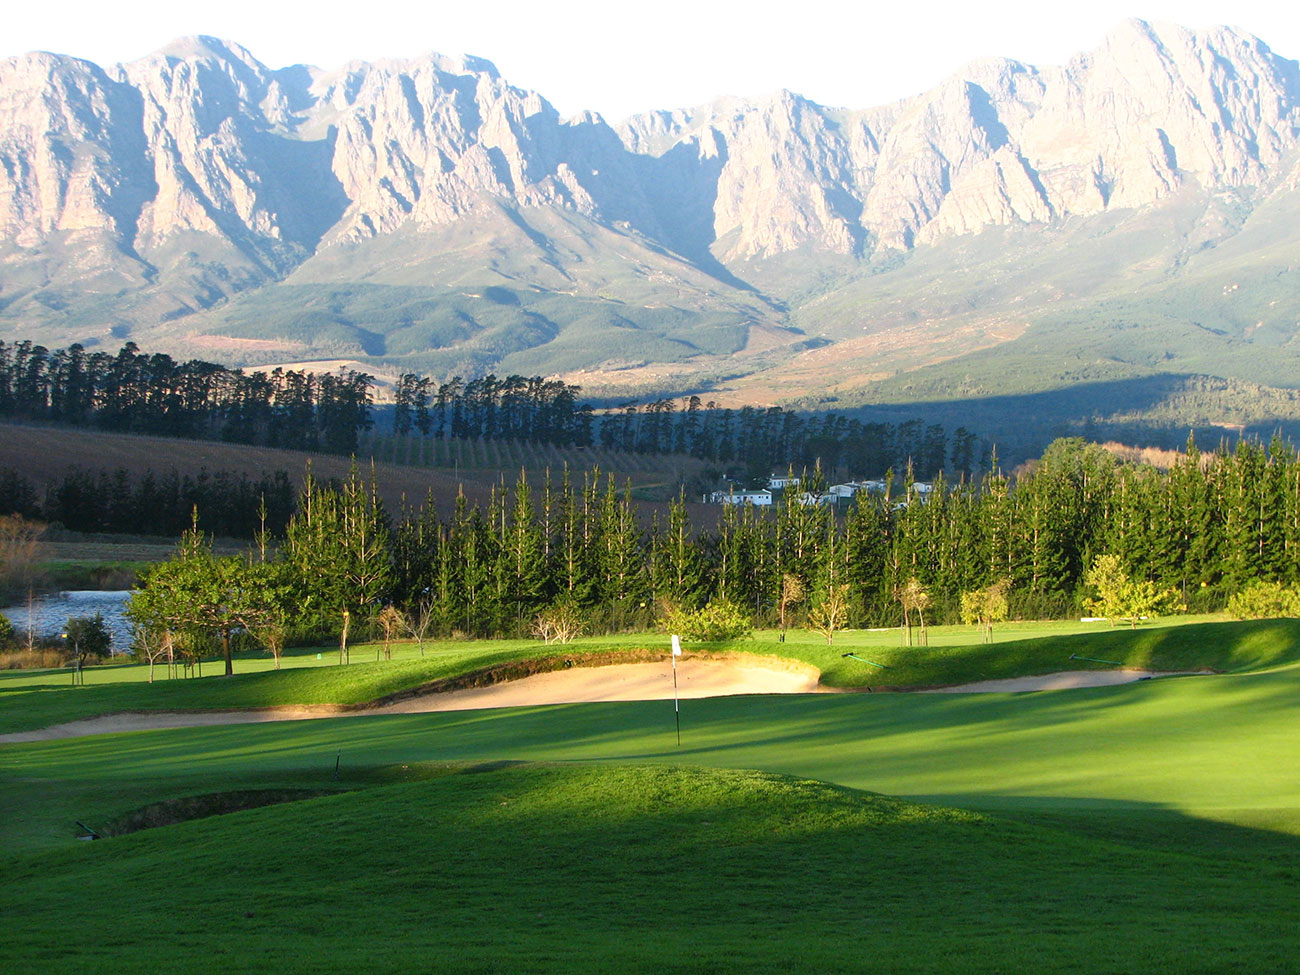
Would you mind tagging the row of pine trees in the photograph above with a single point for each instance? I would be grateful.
(141, 392)
(230, 504)
(1206, 528)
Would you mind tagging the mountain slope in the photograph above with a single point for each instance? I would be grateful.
(1015, 229)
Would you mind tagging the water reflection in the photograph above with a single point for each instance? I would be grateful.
(48, 615)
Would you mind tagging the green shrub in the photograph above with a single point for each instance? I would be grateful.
(6, 630)
(88, 636)
(719, 620)
(1265, 600)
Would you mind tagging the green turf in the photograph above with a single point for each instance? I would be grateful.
(30, 700)
(1217, 747)
(1176, 643)
(1147, 827)
(542, 869)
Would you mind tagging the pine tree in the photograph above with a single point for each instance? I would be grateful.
(621, 556)
(867, 539)
(523, 547)
(338, 544)
(677, 566)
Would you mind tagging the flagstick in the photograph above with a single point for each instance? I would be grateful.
(677, 711)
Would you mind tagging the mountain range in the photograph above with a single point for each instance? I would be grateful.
(1117, 237)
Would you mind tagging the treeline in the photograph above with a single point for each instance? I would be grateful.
(139, 392)
(514, 408)
(1206, 529)
(757, 438)
(230, 505)
(134, 391)
(771, 438)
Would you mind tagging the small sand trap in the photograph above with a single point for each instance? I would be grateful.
(623, 682)
(1064, 680)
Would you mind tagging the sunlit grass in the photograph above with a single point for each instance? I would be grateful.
(1214, 746)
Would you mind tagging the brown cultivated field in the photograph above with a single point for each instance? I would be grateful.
(44, 453)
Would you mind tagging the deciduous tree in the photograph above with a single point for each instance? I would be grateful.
(1120, 597)
(913, 598)
(984, 607)
(830, 612)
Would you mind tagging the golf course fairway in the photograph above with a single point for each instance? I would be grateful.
(1146, 827)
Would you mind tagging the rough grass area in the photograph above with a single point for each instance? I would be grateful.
(65, 574)
(635, 869)
(34, 659)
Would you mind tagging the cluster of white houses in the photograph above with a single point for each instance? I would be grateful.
(831, 496)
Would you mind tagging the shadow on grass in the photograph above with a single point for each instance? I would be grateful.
(570, 868)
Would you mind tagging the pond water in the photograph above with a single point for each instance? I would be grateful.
(49, 614)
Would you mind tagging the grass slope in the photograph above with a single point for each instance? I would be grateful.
(640, 870)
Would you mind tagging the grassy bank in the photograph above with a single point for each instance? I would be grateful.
(70, 574)
(39, 699)
(574, 869)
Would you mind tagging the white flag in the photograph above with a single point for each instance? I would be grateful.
(677, 646)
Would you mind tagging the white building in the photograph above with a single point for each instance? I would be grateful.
(850, 488)
(779, 482)
(757, 498)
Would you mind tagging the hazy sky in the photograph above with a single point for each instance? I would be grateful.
(624, 58)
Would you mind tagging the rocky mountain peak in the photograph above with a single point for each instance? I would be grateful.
(202, 47)
(203, 172)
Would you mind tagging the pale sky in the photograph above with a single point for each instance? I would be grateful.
(620, 58)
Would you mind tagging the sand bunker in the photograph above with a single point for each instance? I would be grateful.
(1064, 680)
(696, 678)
